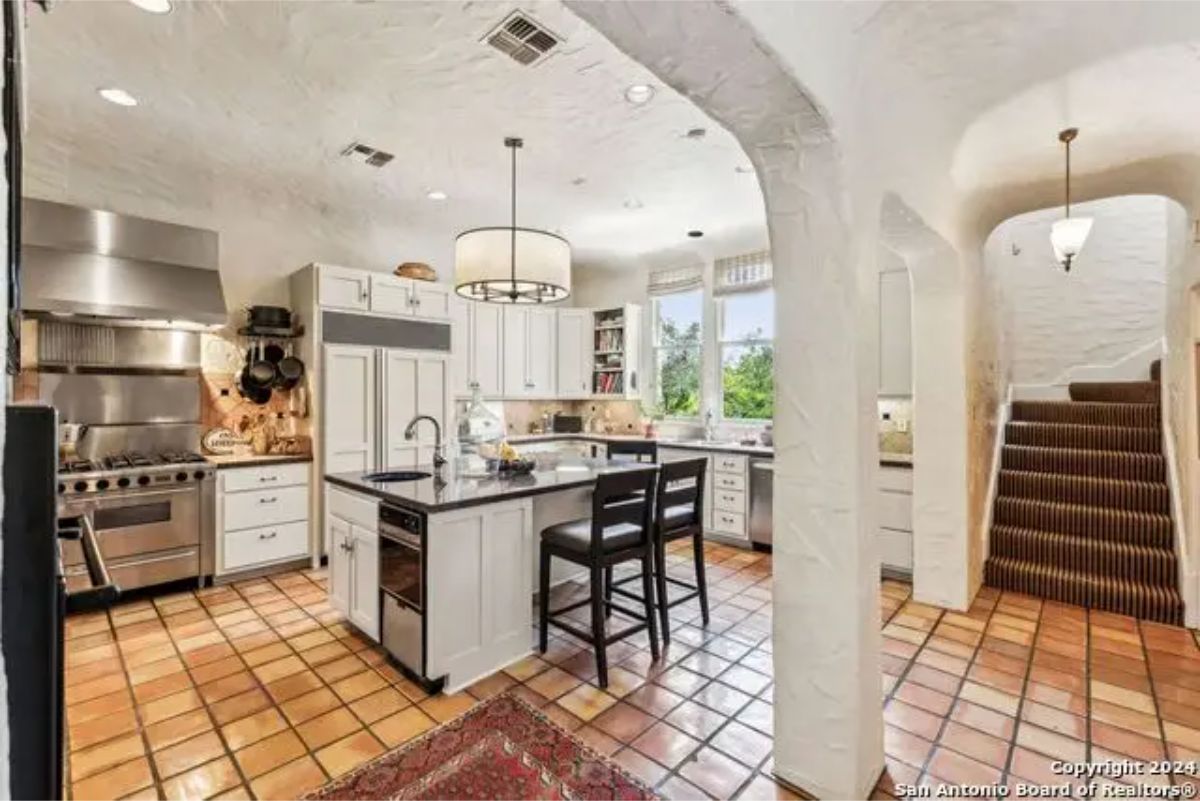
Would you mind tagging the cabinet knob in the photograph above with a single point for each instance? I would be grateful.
(272, 499)
(264, 479)
(270, 536)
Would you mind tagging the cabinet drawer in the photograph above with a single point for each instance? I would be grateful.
(729, 481)
(265, 508)
(895, 549)
(729, 463)
(264, 477)
(729, 501)
(353, 508)
(895, 510)
(258, 546)
(897, 479)
(729, 523)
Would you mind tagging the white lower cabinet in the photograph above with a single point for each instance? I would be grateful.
(894, 506)
(479, 581)
(262, 516)
(351, 529)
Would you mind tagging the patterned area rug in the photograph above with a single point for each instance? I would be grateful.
(502, 748)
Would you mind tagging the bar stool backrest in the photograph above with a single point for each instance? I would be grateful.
(623, 496)
(640, 450)
(680, 483)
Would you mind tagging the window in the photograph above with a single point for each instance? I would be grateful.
(747, 355)
(677, 349)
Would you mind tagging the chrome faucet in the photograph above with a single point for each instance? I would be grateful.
(411, 431)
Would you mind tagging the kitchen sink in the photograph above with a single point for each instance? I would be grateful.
(389, 476)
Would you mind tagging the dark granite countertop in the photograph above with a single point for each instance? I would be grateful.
(225, 461)
(448, 492)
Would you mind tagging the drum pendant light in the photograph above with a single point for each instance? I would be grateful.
(1068, 234)
(510, 264)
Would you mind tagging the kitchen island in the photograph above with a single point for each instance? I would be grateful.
(441, 569)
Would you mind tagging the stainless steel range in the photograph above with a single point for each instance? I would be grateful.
(152, 515)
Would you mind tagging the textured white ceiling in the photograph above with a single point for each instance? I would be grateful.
(256, 99)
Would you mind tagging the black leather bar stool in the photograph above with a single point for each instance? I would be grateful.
(678, 513)
(619, 530)
(640, 450)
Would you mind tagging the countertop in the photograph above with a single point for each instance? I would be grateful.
(433, 495)
(223, 461)
(885, 459)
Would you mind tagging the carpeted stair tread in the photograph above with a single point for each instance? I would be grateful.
(1134, 496)
(1150, 602)
(1157, 566)
(1097, 522)
(1115, 391)
(1083, 437)
(1125, 415)
(1121, 465)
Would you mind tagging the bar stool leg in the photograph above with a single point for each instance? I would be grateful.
(598, 644)
(543, 598)
(608, 593)
(660, 576)
(648, 601)
(701, 582)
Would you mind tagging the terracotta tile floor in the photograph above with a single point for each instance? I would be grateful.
(260, 689)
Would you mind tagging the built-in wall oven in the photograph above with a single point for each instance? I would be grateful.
(402, 586)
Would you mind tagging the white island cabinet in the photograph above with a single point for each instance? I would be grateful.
(352, 526)
(479, 587)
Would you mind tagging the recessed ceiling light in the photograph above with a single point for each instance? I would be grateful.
(633, 203)
(118, 96)
(436, 194)
(695, 234)
(153, 6)
(639, 94)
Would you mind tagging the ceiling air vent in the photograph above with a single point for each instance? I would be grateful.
(371, 156)
(522, 39)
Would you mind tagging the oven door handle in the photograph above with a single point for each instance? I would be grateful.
(104, 591)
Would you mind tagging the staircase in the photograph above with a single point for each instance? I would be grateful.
(1083, 510)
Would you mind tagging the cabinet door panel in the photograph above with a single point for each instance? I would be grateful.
(461, 340)
(338, 534)
(574, 352)
(349, 408)
(399, 398)
(431, 300)
(516, 339)
(342, 288)
(541, 352)
(391, 295)
(489, 356)
(364, 590)
(432, 394)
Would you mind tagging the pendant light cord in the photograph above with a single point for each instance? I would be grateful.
(514, 144)
(1068, 180)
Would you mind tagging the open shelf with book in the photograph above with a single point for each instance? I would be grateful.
(615, 352)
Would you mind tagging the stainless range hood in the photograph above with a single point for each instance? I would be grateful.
(97, 263)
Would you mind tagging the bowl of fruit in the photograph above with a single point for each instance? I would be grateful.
(510, 463)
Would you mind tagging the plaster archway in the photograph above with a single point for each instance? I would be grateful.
(828, 720)
(946, 553)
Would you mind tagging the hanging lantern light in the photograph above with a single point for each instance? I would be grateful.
(1068, 234)
(510, 264)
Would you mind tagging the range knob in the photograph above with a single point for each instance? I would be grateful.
(62, 488)
(123, 482)
(181, 476)
(143, 480)
(80, 486)
(198, 475)
(102, 484)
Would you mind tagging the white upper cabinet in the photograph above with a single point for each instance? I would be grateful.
(431, 300)
(478, 344)
(349, 408)
(895, 333)
(391, 295)
(574, 353)
(343, 288)
(530, 352)
(381, 293)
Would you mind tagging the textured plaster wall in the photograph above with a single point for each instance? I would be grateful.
(1111, 304)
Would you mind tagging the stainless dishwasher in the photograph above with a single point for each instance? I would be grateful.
(762, 479)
